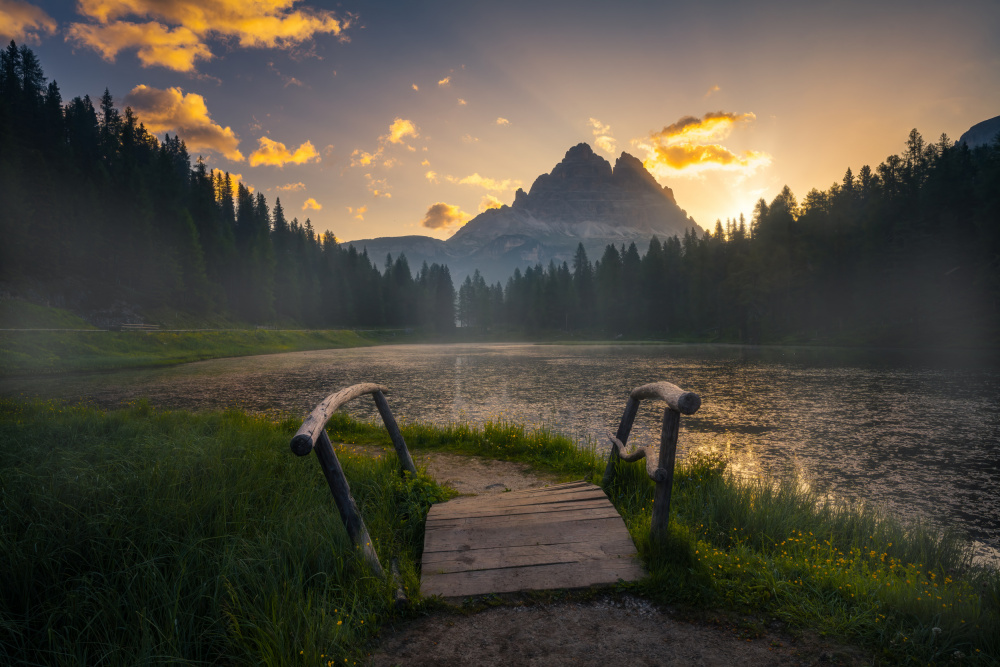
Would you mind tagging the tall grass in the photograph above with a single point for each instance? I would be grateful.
(910, 592)
(139, 536)
(62, 351)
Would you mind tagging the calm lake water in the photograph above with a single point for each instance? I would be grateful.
(917, 432)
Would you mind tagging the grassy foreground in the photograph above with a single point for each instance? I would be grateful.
(140, 536)
(23, 352)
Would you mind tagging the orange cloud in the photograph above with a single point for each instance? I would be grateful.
(276, 154)
(503, 122)
(378, 186)
(360, 212)
(488, 202)
(416, 87)
(235, 178)
(461, 102)
(486, 183)
(291, 187)
(157, 44)
(691, 145)
(713, 89)
(445, 81)
(22, 22)
(431, 176)
(442, 216)
(171, 110)
(602, 136)
(180, 28)
(400, 129)
(312, 204)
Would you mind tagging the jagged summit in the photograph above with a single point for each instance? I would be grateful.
(582, 200)
(585, 199)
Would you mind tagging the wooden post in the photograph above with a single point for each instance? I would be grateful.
(341, 491)
(668, 451)
(624, 428)
(405, 460)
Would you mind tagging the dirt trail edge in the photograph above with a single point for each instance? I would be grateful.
(607, 629)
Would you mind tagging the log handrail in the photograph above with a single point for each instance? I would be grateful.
(662, 470)
(312, 437)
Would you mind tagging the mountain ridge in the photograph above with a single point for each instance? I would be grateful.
(584, 199)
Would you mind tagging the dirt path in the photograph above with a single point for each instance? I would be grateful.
(612, 629)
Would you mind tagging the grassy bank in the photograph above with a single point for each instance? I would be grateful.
(24, 352)
(136, 537)
(141, 536)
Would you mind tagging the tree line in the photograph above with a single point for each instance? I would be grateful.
(908, 252)
(93, 209)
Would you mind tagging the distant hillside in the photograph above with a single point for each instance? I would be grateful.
(583, 199)
(982, 133)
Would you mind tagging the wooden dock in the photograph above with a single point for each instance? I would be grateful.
(565, 536)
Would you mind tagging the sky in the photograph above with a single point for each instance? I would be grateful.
(375, 118)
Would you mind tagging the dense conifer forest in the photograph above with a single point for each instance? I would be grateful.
(94, 210)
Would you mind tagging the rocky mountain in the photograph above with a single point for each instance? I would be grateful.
(583, 199)
(981, 133)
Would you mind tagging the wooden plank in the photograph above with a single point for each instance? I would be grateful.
(499, 501)
(546, 554)
(562, 537)
(511, 510)
(569, 514)
(487, 537)
(540, 577)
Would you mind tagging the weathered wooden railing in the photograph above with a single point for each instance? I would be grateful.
(662, 469)
(312, 437)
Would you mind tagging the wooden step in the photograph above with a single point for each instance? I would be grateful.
(563, 536)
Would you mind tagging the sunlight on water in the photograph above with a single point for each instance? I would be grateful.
(922, 439)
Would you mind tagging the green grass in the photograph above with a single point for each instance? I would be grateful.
(770, 549)
(67, 351)
(909, 593)
(16, 314)
(138, 536)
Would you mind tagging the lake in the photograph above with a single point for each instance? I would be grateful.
(918, 432)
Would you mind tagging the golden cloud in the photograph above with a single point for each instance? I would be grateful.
(22, 22)
(378, 186)
(172, 110)
(691, 145)
(312, 204)
(442, 216)
(359, 212)
(291, 187)
(276, 154)
(713, 89)
(236, 179)
(486, 183)
(157, 44)
(713, 126)
(602, 136)
(445, 81)
(416, 87)
(461, 102)
(431, 176)
(400, 129)
(502, 122)
(488, 202)
(181, 27)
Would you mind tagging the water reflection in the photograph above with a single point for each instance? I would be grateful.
(920, 434)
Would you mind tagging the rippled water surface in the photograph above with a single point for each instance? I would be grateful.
(920, 434)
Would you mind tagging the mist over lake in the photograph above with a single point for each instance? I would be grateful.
(918, 432)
